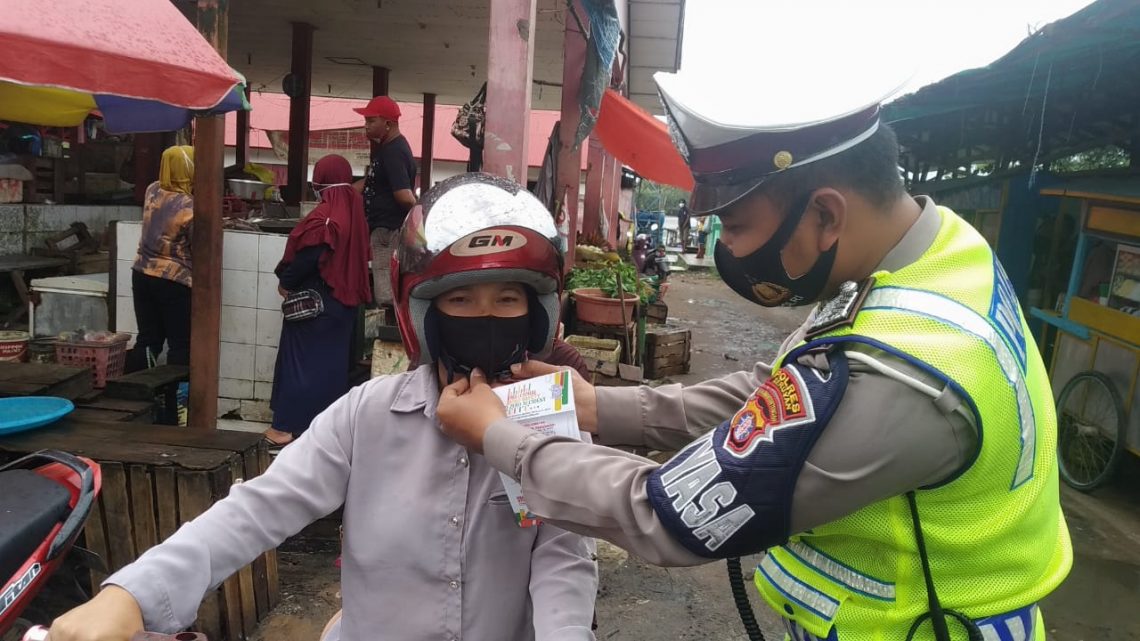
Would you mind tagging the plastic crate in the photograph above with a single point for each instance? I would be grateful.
(607, 350)
(105, 358)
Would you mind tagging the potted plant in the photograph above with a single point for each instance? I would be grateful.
(598, 297)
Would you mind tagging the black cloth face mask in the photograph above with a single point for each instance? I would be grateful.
(760, 276)
(491, 343)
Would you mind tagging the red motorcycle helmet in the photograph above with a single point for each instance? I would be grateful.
(469, 229)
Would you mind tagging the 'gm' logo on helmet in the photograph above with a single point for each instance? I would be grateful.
(488, 241)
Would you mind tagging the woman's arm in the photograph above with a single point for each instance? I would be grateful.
(563, 585)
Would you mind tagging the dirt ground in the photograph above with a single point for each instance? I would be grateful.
(637, 601)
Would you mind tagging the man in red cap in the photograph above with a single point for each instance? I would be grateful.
(387, 187)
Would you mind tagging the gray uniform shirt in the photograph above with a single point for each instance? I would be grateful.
(431, 549)
(896, 429)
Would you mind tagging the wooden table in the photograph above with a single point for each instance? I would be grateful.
(16, 265)
(41, 379)
(155, 478)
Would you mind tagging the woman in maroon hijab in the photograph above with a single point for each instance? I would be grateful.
(326, 258)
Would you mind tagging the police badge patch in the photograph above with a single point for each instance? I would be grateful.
(780, 402)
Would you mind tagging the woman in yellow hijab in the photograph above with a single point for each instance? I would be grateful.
(161, 276)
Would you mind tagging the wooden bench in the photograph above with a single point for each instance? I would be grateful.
(155, 478)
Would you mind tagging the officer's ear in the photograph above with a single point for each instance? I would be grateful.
(830, 206)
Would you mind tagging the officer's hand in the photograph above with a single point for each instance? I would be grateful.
(467, 408)
(113, 615)
(585, 398)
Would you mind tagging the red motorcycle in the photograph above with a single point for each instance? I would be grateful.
(45, 501)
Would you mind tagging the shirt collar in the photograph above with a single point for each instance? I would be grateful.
(916, 240)
(418, 391)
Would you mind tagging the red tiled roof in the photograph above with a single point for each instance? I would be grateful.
(271, 113)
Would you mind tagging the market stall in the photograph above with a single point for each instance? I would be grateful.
(1094, 338)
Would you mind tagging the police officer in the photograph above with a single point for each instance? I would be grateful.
(896, 462)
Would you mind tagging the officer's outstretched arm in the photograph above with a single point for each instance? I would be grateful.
(726, 494)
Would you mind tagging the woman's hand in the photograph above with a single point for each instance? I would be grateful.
(467, 408)
(284, 292)
(113, 615)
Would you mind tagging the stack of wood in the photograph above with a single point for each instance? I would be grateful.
(667, 351)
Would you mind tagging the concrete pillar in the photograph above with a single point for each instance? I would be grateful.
(510, 70)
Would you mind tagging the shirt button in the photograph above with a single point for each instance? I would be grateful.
(463, 461)
(454, 585)
(454, 521)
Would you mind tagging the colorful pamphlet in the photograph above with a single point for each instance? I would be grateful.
(545, 405)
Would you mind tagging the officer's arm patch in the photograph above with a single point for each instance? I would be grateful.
(729, 492)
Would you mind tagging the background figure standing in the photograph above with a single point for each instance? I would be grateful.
(161, 275)
(328, 254)
(388, 188)
(684, 224)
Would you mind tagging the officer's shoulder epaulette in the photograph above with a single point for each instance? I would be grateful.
(840, 310)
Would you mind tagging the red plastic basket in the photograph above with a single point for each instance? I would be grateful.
(105, 358)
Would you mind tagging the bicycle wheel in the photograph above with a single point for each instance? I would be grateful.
(1090, 431)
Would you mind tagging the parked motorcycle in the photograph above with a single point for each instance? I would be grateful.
(46, 499)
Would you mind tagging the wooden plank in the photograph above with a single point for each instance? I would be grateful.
(231, 595)
(194, 498)
(92, 414)
(95, 536)
(251, 468)
(117, 516)
(209, 620)
(228, 440)
(1106, 320)
(271, 582)
(143, 385)
(100, 449)
(103, 402)
(245, 582)
(143, 507)
(166, 501)
(667, 351)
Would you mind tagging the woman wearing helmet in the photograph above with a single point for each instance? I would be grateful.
(431, 546)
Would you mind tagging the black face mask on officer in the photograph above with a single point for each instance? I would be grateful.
(491, 343)
(760, 276)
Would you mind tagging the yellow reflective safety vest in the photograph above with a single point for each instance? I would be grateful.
(995, 535)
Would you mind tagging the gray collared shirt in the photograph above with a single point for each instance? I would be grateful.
(431, 548)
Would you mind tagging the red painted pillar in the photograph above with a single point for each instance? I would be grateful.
(427, 153)
(595, 168)
(569, 178)
(510, 64)
(302, 71)
(379, 88)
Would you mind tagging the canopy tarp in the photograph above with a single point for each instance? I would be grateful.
(640, 141)
(139, 63)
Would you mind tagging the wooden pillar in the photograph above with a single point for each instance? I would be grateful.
(510, 64)
(206, 239)
(379, 88)
(241, 154)
(569, 178)
(613, 200)
(605, 206)
(302, 70)
(427, 153)
(595, 167)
